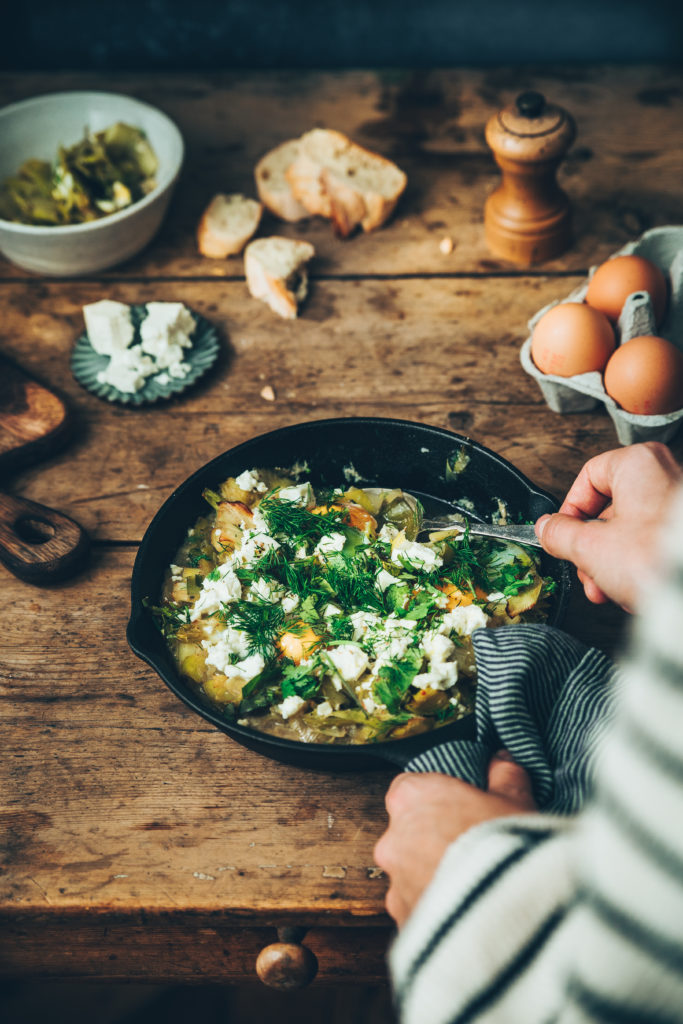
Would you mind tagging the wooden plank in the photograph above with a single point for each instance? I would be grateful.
(445, 353)
(115, 796)
(622, 173)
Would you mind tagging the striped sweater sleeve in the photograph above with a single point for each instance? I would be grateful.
(538, 920)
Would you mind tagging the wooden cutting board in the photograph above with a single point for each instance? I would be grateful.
(37, 544)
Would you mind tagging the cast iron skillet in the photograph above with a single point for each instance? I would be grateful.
(379, 452)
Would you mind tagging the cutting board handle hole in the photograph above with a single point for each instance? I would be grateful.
(34, 531)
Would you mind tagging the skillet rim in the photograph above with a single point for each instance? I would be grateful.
(146, 642)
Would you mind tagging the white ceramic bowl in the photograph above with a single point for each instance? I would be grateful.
(36, 128)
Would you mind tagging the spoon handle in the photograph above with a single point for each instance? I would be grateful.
(523, 534)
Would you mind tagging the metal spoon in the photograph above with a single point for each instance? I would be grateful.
(523, 534)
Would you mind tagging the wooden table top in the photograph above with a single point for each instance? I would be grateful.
(136, 841)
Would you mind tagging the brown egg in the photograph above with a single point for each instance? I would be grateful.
(615, 280)
(572, 338)
(645, 376)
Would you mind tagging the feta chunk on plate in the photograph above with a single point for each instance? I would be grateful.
(109, 326)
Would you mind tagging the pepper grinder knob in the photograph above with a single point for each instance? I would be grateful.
(528, 217)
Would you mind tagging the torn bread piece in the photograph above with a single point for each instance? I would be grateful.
(274, 190)
(334, 177)
(276, 272)
(227, 224)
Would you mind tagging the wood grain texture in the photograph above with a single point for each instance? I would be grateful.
(622, 174)
(440, 352)
(39, 544)
(33, 420)
(135, 840)
(115, 796)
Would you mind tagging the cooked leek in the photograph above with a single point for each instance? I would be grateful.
(106, 171)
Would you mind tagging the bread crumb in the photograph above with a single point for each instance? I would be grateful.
(267, 393)
(446, 246)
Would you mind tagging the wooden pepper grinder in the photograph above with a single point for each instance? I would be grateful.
(528, 218)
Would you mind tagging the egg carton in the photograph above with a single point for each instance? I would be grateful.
(585, 391)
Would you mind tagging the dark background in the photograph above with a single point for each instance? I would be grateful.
(212, 35)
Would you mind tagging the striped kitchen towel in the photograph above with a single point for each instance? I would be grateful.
(545, 698)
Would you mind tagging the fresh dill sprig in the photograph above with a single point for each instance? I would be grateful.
(262, 622)
(168, 618)
(296, 522)
(466, 568)
(339, 627)
(353, 581)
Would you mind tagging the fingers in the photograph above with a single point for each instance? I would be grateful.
(509, 780)
(648, 468)
(592, 490)
(565, 536)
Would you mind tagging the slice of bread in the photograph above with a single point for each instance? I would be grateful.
(272, 185)
(276, 272)
(334, 177)
(227, 224)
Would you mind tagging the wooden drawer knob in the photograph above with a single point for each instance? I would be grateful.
(287, 965)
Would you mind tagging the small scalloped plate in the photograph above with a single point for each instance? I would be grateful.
(86, 363)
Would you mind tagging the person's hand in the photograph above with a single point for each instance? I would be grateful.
(630, 490)
(427, 812)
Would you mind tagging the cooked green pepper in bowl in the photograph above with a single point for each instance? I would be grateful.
(104, 172)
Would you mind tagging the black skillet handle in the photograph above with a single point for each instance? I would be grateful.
(38, 544)
(400, 752)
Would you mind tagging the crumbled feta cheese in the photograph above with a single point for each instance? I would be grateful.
(301, 494)
(463, 620)
(300, 553)
(363, 622)
(254, 543)
(167, 323)
(331, 609)
(216, 592)
(163, 335)
(127, 370)
(387, 533)
(324, 710)
(246, 669)
(394, 641)
(497, 595)
(291, 706)
(438, 647)
(108, 325)
(265, 590)
(167, 355)
(417, 555)
(219, 655)
(440, 677)
(369, 705)
(289, 602)
(349, 661)
(259, 520)
(385, 579)
(249, 480)
(328, 545)
(178, 369)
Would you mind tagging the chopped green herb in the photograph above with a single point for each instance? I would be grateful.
(395, 679)
(261, 621)
(287, 518)
(169, 617)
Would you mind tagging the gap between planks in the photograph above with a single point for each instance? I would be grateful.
(442, 275)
